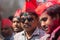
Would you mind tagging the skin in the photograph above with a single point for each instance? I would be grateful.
(47, 22)
(16, 25)
(29, 27)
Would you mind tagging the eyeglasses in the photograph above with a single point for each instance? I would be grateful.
(24, 19)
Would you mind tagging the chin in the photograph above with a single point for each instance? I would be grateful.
(48, 32)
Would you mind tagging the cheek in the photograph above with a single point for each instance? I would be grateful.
(49, 22)
(13, 24)
(18, 24)
(34, 23)
(22, 24)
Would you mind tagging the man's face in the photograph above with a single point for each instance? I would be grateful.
(28, 22)
(16, 24)
(46, 22)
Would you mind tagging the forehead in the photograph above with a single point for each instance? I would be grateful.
(15, 19)
(25, 15)
(45, 14)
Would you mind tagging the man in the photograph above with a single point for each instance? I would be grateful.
(29, 22)
(49, 18)
(6, 29)
(16, 26)
(16, 22)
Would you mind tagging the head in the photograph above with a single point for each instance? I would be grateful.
(29, 21)
(6, 29)
(16, 24)
(49, 18)
(10, 17)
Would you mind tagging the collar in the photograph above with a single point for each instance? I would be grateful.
(36, 32)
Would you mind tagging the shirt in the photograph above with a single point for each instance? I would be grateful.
(35, 36)
(45, 37)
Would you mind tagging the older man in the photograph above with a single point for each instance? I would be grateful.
(29, 22)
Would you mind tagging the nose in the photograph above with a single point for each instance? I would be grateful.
(16, 23)
(42, 24)
(26, 21)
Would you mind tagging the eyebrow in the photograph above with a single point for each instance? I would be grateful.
(43, 18)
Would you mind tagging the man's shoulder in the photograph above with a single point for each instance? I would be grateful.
(19, 34)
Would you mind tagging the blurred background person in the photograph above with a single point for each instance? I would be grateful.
(1, 37)
(6, 29)
(16, 26)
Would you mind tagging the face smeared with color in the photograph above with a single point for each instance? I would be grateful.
(28, 22)
(46, 22)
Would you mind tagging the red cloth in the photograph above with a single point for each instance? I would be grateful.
(33, 2)
(58, 1)
(54, 1)
(28, 7)
(42, 7)
(17, 13)
(6, 22)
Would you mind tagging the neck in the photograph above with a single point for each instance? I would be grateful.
(29, 33)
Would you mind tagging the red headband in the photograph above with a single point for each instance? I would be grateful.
(6, 22)
(42, 7)
(28, 7)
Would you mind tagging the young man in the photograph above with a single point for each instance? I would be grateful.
(29, 24)
(16, 26)
(49, 18)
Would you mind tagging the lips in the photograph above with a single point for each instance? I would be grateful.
(45, 28)
(16, 29)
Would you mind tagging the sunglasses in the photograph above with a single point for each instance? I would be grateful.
(24, 19)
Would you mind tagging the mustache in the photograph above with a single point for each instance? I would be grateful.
(28, 25)
(44, 27)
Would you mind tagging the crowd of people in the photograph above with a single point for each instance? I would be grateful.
(33, 22)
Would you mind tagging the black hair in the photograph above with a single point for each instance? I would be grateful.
(30, 13)
(10, 17)
(17, 17)
(53, 10)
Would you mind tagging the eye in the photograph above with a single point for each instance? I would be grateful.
(30, 19)
(13, 21)
(23, 20)
(44, 19)
(17, 21)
